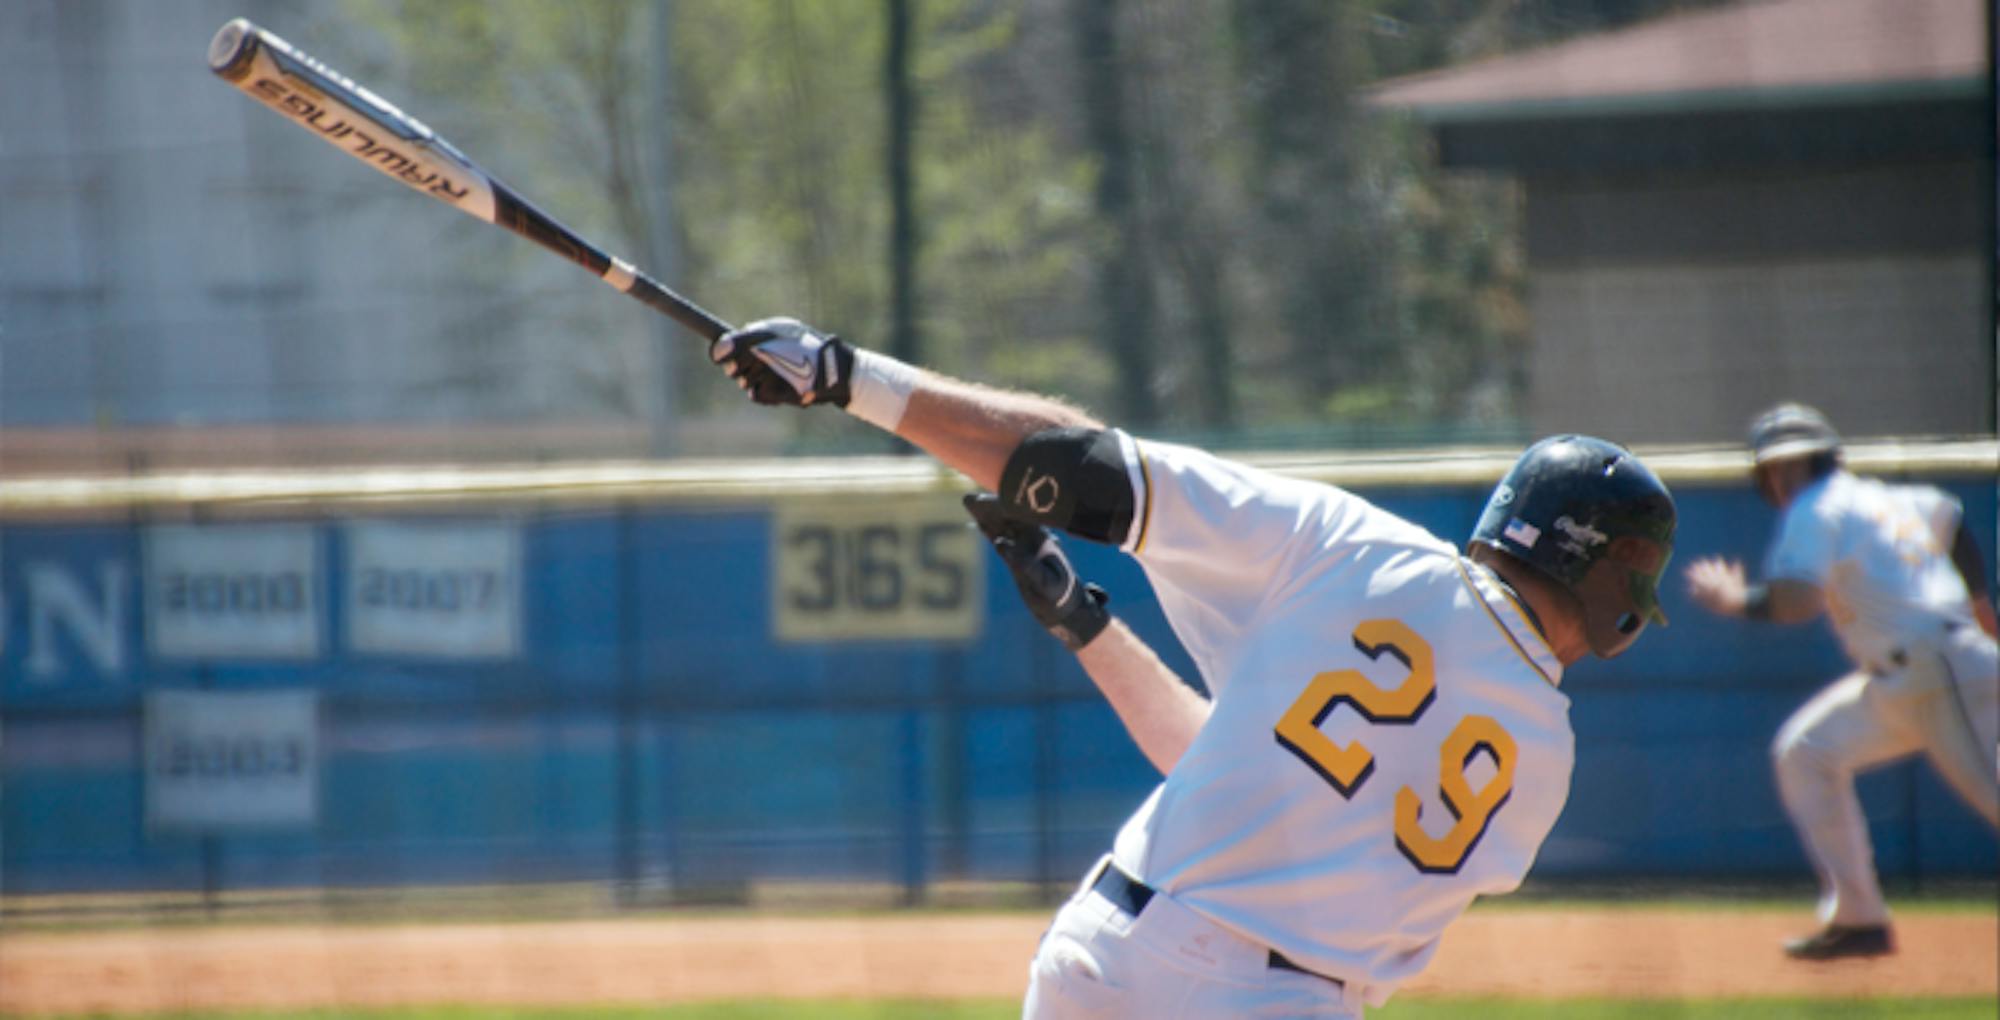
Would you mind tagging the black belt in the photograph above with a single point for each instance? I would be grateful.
(1899, 658)
(1131, 896)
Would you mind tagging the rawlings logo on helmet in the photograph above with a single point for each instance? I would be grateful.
(1580, 535)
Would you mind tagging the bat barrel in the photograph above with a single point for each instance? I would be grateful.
(343, 114)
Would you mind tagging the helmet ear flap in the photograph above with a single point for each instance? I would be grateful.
(1612, 618)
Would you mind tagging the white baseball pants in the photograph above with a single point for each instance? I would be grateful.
(1942, 699)
(1169, 963)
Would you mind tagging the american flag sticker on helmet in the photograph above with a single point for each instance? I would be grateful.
(1521, 531)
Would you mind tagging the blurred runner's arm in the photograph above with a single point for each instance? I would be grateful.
(1718, 585)
(1965, 556)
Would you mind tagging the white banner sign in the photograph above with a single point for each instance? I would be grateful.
(233, 591)
(440, 590)
(220, 760)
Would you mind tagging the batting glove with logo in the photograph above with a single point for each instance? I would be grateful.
(1072, 610)
(785, 361)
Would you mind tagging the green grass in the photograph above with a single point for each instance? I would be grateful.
(1715, 1009)
(1403, 1009)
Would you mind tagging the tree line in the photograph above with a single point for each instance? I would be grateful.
(1178, 213)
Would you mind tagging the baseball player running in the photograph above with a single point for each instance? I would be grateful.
(1901, 581)
(1387, 738)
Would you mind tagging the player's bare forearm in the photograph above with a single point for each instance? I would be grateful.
(1793, 601)
(1162, 713)
(974, 428)
(1719, 586)
(1983, 611)
(1972, 567)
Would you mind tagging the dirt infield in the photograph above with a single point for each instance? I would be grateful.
(1524, 953)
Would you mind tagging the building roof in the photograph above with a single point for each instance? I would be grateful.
(1756, 54)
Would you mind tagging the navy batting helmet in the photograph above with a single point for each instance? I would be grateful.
(1791, 430)
(1591, 517)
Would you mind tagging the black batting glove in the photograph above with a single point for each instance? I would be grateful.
(1072, 610)
(785, 361)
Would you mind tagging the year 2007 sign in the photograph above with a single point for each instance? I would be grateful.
(909, 568)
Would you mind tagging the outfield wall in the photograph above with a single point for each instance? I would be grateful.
(650, 674)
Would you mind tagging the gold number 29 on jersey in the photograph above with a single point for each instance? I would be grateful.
(1347, 767)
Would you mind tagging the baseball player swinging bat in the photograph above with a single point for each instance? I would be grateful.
(327, 103)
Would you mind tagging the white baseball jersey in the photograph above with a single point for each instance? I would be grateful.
(1387, 739)
(1880, 553)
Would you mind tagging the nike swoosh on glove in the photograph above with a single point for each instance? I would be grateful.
(785, 361)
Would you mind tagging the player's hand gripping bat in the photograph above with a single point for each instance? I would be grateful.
(325, 102)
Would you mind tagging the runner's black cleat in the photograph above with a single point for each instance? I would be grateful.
(1835, 942)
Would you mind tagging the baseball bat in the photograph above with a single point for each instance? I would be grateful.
(363, 125)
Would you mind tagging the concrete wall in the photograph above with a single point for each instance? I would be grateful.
(1674, 307)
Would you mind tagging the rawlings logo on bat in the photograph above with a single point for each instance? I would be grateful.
(336, 128)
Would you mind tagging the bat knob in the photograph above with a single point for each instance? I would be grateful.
(230, 51)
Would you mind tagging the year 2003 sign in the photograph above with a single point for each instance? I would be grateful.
(883, 568)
